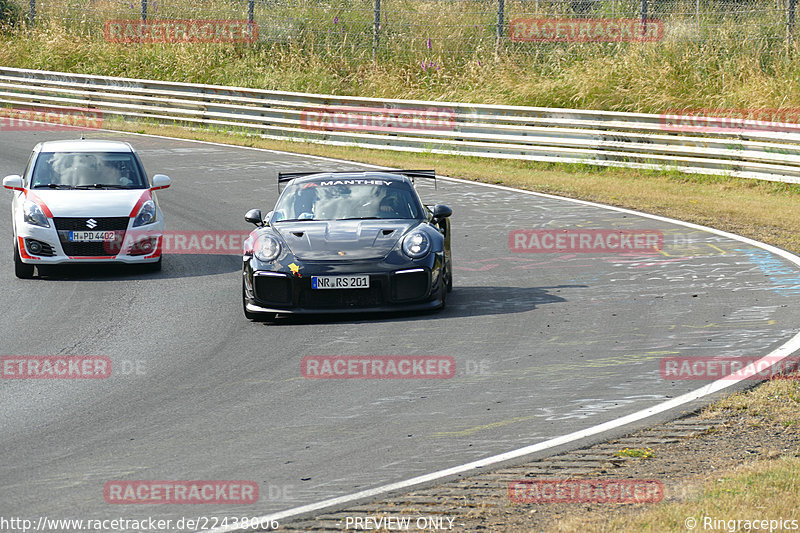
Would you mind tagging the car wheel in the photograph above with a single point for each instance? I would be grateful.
(443, 290)
(22, 270)
(255, 317)
(449, 281)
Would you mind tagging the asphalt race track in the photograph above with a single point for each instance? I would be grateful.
(544, 344)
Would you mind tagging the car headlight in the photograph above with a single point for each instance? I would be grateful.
(416, 245)
(147, 214)
(33, 214)
(267, 248)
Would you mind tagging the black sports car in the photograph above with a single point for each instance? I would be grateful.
(347, 242)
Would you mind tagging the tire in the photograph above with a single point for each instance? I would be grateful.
(449, 281)
(22, 270)
(443, 290)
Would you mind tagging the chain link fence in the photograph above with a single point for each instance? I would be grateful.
(431, 27)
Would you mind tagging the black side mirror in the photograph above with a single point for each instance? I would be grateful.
(254, 217)
(441, 211)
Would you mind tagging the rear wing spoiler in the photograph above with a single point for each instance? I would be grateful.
(283, 177)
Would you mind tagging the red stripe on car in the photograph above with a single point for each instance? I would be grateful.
(142, 199)
(33, 197)
(23, 253)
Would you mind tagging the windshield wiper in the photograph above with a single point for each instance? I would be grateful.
(53, 186)
(101, 186)
(360, 218)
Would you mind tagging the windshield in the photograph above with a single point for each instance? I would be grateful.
(322, 201)
(87, 170)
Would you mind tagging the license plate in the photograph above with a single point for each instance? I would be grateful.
(92, 236)
(340, 282)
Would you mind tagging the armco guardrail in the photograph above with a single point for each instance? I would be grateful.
(607, 138)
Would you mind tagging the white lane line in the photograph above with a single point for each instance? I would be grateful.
(772, 358)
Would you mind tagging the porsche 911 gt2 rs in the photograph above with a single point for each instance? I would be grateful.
(347, 242)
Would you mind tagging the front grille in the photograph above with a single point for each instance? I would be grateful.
(342, 298)
(39, 248)
(95, 249)
(101, 223)
(273, 289)
(89, 248)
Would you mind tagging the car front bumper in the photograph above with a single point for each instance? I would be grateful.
(48, 246)
(407, 287)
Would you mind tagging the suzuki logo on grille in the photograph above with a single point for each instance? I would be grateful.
(91, 223)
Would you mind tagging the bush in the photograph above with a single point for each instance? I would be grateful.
(10, 13)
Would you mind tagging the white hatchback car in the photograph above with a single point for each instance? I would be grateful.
(85, 201)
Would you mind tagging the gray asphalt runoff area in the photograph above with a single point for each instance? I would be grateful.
(544, 344)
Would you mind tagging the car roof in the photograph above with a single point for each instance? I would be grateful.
(351, 176)
(82, 145)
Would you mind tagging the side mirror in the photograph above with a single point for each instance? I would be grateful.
(160, 181)
(441, 211)
(254, 217)
(13, 182)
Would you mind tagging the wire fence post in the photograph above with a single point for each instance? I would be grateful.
(790, 19)
(501, 12)
(144, 10)
(251, 7)
(32, 12)
(644, 18)
(376, 29)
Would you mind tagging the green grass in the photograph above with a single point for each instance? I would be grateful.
(734, 64)
(640, 453)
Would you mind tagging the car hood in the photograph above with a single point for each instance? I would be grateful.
(92, 203)
(342, 240)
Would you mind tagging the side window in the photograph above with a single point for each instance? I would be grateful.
(142, 173)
